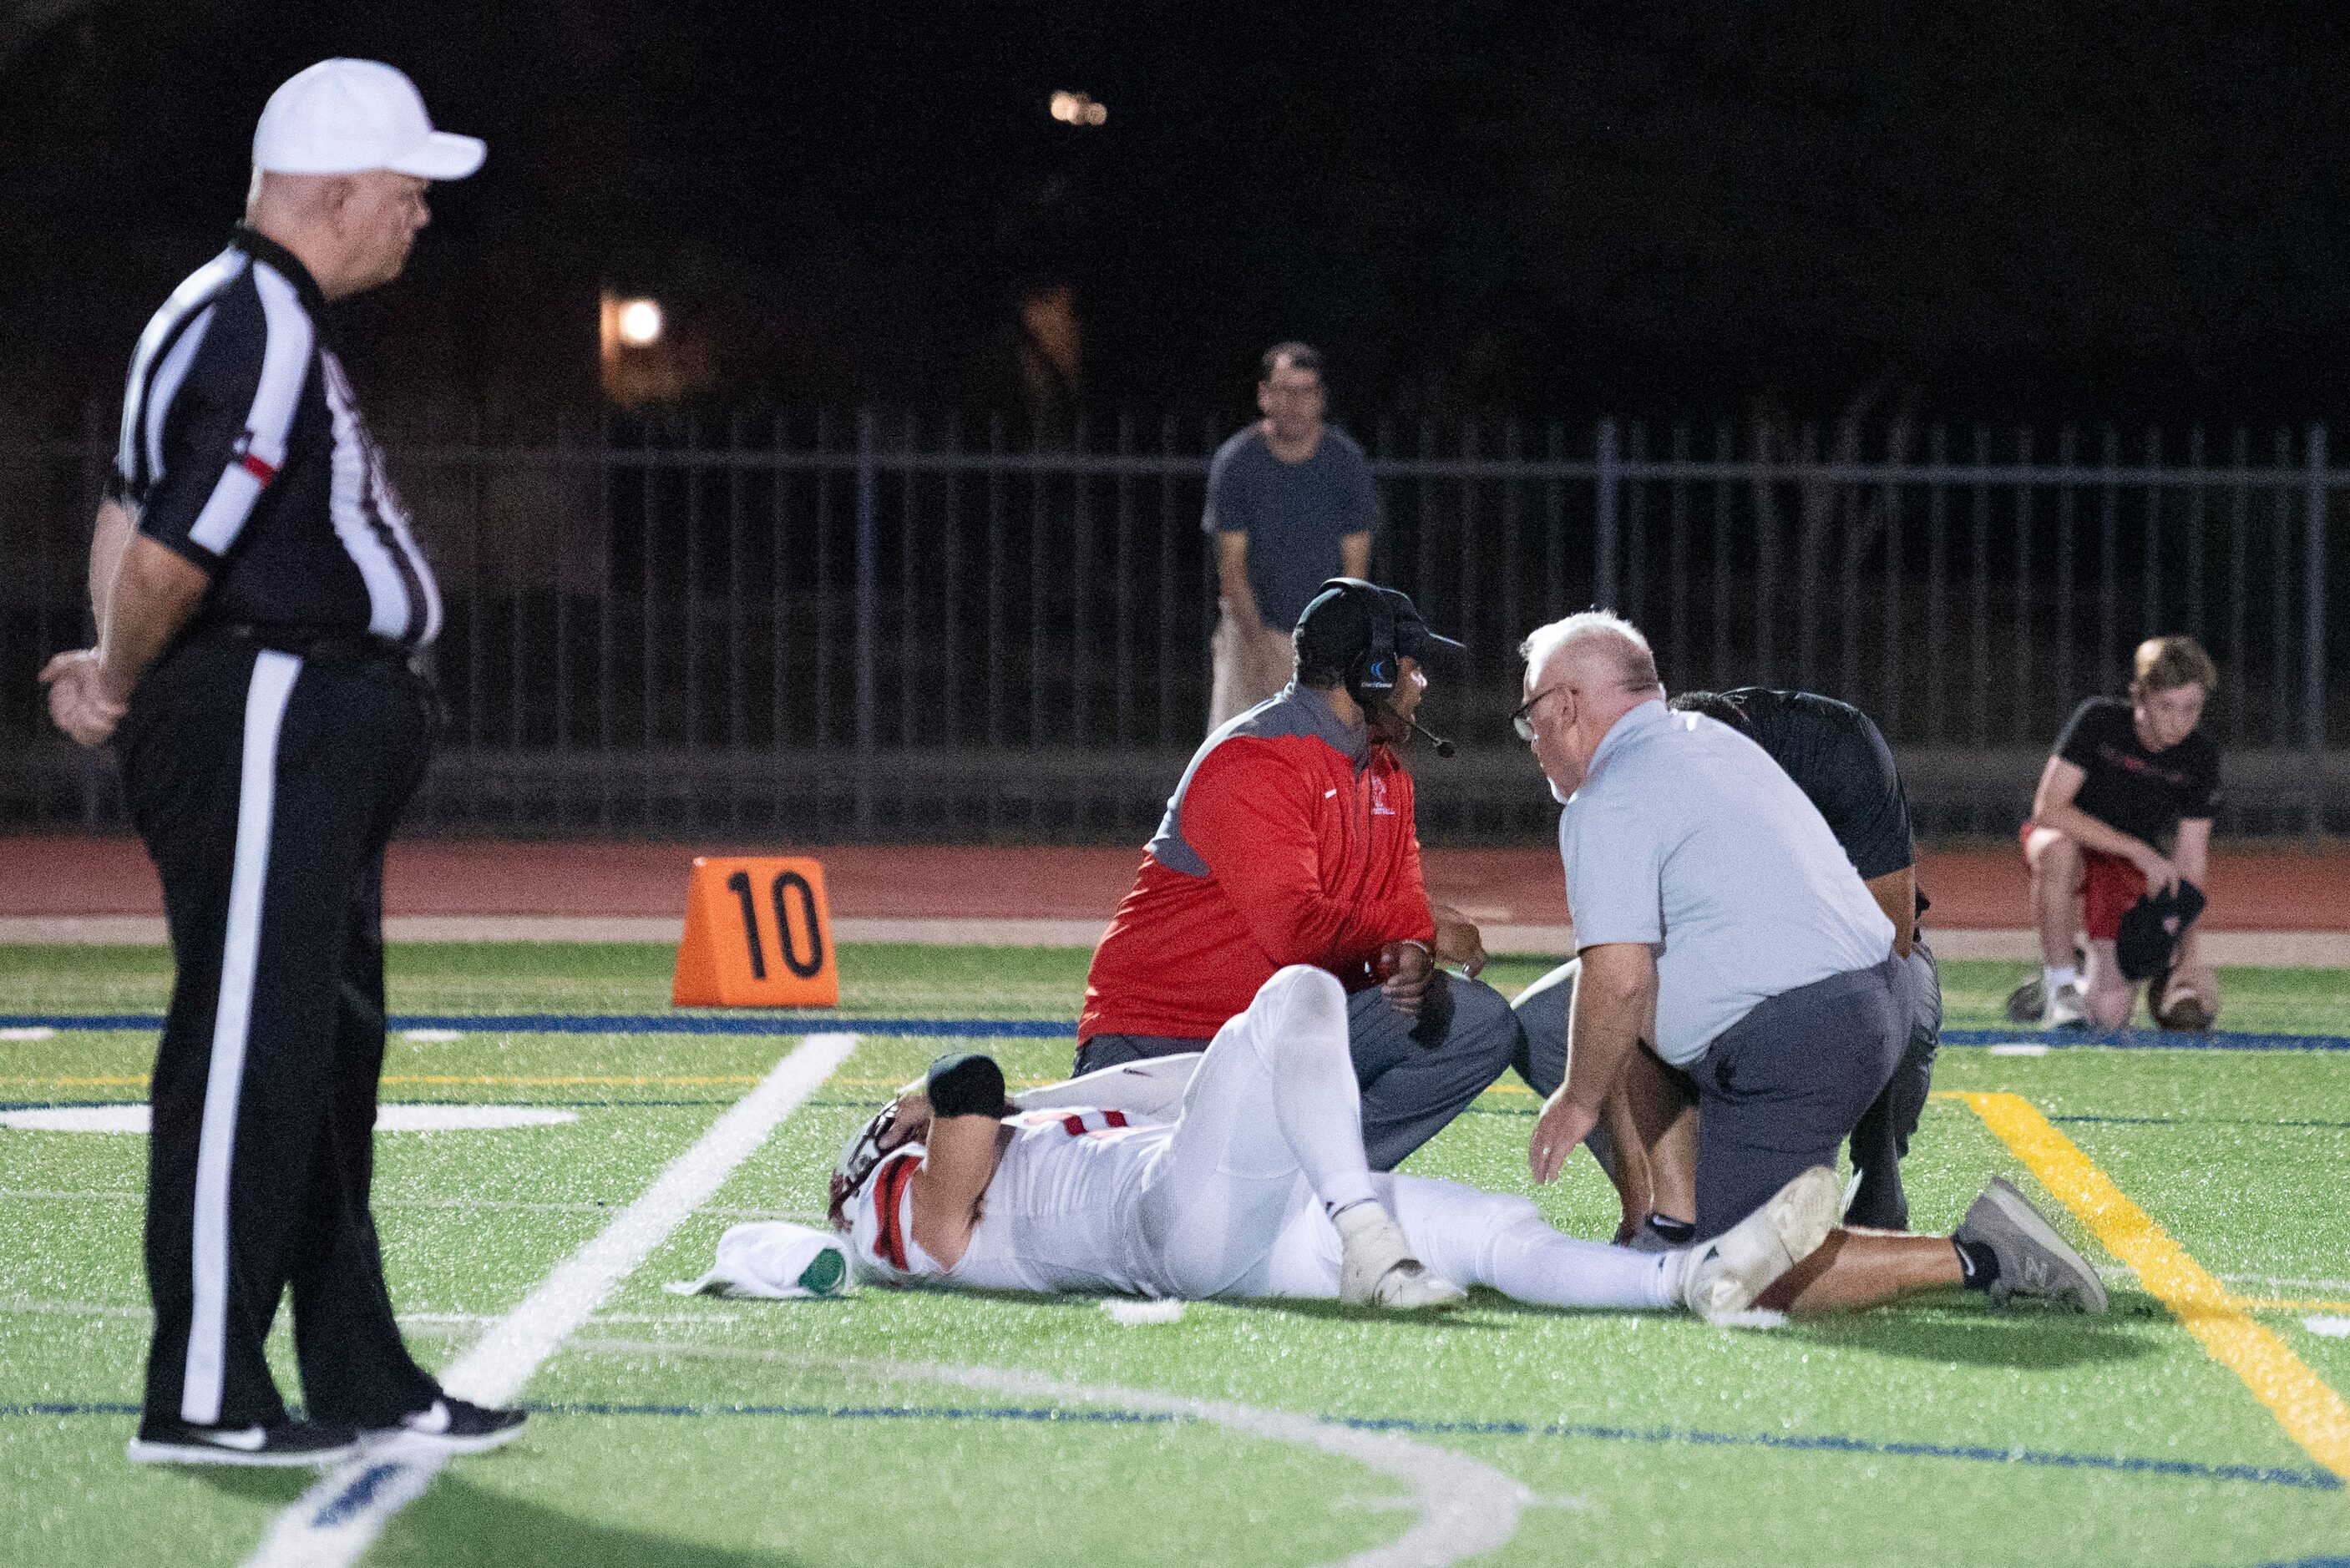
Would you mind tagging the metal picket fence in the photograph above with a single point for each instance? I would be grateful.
(887, 625)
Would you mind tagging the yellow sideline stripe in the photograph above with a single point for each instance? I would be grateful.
(2311, 1412)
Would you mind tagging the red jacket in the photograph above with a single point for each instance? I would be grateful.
(1278, 848)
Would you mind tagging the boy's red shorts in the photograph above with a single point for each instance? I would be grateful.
(2109, 885)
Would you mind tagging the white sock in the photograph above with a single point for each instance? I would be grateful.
(1314, 1097)
(1485, 1239)
(2051, 976)
(1531, 1262)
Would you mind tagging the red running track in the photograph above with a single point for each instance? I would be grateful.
(2251, 889)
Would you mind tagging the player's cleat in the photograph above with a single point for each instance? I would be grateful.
(2034, 1261)
(2067, 1009)
(449, 1426)
(286, 1443)
(1377, 1268)
(2027, 1002)
(1722, 1277)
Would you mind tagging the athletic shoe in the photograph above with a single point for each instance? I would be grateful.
(286, 1443)
(2028, 1002)
(2067, 1009)
(2034, 1261)
(450, 1426)
(1377, 1268)
(1723, 1276)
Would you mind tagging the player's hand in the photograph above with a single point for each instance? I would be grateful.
(913, 1116)
(2161, 873)
(1457, 941)
(79, 703)
(1407, 967)
(1562, 1126)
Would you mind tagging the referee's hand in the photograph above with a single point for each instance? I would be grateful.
(79, 703)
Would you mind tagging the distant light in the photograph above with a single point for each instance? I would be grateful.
(640, 323)
(1079, 109)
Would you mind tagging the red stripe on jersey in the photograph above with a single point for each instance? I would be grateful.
(1113, 1118)
(260, 467)
(1077, 1125)
(889, 1188)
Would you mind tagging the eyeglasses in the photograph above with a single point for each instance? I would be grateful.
(1522, 721)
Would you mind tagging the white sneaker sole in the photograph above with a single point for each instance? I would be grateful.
(1426, 1293)
(140, 1451)
(403, 1440)
(1760, 1249)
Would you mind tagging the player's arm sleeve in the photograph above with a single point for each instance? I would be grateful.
(1615, 877)
(1250, 815)
(2203, 798)
(225, 434)
(1151, 1088)
(2078, 744)
(1876, 823)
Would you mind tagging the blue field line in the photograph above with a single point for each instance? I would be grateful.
(2197, 1122)
(2188, 1470)
(780, 1024)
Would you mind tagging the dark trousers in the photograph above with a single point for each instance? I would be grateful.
(1778, 1090)
(1880, 1139)
(265, 786)
(1411, 1089)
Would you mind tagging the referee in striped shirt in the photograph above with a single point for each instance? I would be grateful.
(261, 607)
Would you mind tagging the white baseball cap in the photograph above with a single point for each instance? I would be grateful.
(345, 116)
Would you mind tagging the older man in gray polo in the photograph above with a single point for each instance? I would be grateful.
(1718, 921)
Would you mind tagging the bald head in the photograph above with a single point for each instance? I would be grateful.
(1582, 674)
(1594, 653)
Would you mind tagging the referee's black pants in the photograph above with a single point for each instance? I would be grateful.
(266, 785)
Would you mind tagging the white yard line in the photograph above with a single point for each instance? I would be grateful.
(1465, 1509)
(336, 1520)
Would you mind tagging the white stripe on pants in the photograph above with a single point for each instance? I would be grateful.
(264, 716)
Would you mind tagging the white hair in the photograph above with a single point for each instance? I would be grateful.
(1616, 642)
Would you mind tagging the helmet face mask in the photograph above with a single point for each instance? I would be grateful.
(858, 1158)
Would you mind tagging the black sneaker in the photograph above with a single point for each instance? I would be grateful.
(286, 1443)
(450, 1426)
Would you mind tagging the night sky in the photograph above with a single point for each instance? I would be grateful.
(2015, 210)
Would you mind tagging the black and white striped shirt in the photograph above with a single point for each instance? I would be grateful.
(242, 450)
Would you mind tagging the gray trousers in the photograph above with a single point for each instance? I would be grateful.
(1409, 1091)
(1879, 1140)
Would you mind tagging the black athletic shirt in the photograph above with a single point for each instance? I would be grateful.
(2143, 794)
(242, 450)
(1838, 757)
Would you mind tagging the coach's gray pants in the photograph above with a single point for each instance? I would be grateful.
(1409, 1091)
(1881, 1139)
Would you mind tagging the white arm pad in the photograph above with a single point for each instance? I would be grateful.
(1151, 1088)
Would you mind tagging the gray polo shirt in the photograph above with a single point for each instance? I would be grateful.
(1687, 837)
(1293, 514)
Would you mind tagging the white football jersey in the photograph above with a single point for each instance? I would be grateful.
(1058, 1215)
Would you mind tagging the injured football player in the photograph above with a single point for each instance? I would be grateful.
(1238, 1173)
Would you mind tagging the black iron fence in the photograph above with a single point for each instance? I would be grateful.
(895, 625)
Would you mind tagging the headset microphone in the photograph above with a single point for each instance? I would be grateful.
(1444, 748)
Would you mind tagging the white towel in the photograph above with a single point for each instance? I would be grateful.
(773, 1259)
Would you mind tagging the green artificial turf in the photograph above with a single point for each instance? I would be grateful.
(698, 1431)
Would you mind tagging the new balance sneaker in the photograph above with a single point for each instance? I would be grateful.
(1723, 1276)
(2067, 1009)
(286, 1443)
(450, 1426)
(1377, 1268)
(2034, 1261)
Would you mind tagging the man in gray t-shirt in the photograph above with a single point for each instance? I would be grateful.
(1291, 503)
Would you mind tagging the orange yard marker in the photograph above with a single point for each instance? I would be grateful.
(757, 934)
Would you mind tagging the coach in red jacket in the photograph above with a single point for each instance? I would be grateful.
(1290, 840)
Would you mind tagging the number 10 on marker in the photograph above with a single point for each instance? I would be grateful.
(757, 934)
